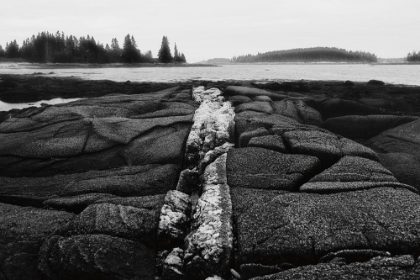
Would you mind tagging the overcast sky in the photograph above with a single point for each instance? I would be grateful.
(224, 28)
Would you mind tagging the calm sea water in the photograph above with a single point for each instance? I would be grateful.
(9, 106)
(394, 74)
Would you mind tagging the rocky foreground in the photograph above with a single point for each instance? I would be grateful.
(214, 181)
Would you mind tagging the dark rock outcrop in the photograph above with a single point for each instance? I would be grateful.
(364, 127)
(22, 232)
(332, 108)
(298, 110)
(269, 142)
(300, 228)
(352, 173)
(96, 256)
(252, 92)
(405, 167)
(399, 267)
(127, 181)
(267, 169)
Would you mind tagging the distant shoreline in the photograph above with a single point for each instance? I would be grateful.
(97, 65)
(317, 63)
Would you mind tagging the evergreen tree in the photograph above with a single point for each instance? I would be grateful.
(183, 59)
(12, 50)
(130, 54)
(177, 57)
(114, 44)
(2, 52)
(164, 54)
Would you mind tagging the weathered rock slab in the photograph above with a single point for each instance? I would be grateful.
(22, 232)
(399, 267)
(96, 256)
(300, 228)
(352, 173)
(267, 169)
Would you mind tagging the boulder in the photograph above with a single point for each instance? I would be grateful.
(364, 127)
(248, 135)
(300, 228)
(324, 145)
(267, 169)
(401, 139)
(269, 142)
(262, 98)
(22, 232)
(252, 92)
(405, 167)
(96, 256)
(376, 83)
(258, 106)
(239, 99)
(127, 222)
(298, 110)
(352, 173)
(332, 108)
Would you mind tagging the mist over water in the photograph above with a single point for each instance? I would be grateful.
(393, 74)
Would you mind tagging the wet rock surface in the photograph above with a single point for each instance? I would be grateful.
(277, 191)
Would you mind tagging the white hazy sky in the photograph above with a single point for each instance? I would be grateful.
(224, 28)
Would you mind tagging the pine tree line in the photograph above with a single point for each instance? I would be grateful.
(58, 48)
(308, 55)
(413, 57)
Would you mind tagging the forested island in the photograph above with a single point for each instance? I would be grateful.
(413, 57)
(59, 48)
(318, 54)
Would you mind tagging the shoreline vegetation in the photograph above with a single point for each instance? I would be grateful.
(99, 65)
(58, 48)
(309, 55)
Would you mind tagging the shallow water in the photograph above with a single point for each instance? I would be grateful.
(9, 106)
(393, 74)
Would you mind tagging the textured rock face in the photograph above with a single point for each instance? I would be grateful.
(96, 257)
(332, 108)
(22, 231)
(128, 181)
(109, 159)
(174, 219)
(363, 127)
(300, 228)
(253, 92)
(404, 166)
(298, 110)
(266, 169)
(306, 203)
(115, 238)
(173, 266)
(95, 134)
(352, 173)
(400, 267)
